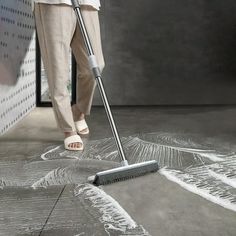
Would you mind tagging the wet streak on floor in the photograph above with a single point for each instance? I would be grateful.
(73, 217)
(81, 213)
(172, 210)
(70, 212)
(207, 170)
(188, 143)
(24, 210)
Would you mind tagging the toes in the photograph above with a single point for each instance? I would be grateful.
(75, 145)
(79, 145)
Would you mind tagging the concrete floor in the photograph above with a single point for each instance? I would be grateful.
(150, 205)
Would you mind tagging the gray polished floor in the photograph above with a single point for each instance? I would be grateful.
(44, 190)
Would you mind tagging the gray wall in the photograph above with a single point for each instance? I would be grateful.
(169, 52)
(17, 62)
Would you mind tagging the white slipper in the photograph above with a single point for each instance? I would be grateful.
(73, 139)
(81, 125)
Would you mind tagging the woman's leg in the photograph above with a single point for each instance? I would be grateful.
(85, 81)
(55, 27)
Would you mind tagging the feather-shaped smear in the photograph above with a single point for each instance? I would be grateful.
(197, 164)
(112, 215)
(191, 161)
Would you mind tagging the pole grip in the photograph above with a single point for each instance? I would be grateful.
(75, 3)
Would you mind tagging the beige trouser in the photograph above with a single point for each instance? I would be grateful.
(58, 30)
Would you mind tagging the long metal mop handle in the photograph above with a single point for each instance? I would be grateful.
(97, 74)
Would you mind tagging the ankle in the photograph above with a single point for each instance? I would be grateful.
(80, 117)
(68, 134)
(77, 114)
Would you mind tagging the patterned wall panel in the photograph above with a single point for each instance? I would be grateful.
(17, 61)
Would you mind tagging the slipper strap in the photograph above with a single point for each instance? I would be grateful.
(72, 139)
(81, 125)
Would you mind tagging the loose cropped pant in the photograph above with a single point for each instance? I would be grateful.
(58, 31)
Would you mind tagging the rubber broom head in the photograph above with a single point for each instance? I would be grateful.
(125, 172)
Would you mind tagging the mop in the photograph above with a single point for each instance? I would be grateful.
(126, 171)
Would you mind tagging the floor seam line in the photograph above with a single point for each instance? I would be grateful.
(52, 210)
